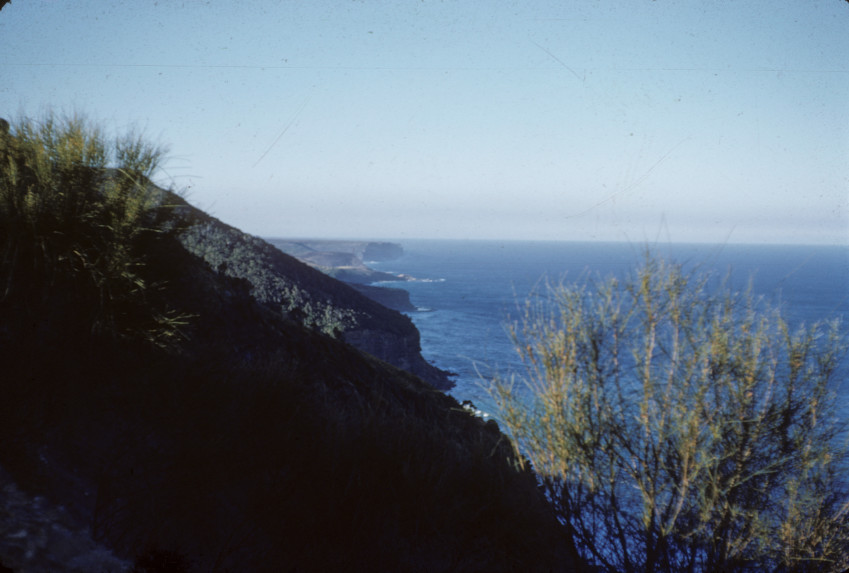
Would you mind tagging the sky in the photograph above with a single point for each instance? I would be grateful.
(614, 120)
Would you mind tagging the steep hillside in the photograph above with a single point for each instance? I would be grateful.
(155, 404)
(262, 445)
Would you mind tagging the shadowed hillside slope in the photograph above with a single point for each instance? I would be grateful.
(171, 414)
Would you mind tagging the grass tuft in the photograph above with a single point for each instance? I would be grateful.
(75, 207)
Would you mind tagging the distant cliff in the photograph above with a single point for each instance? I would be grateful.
(365, 251)
(346, 261)
(343, 260)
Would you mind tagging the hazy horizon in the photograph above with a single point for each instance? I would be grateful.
(637, 243)
(595, 120)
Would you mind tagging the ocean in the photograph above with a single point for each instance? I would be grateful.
(467, 292)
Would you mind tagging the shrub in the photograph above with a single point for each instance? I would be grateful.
(679, 427)
(74, 209)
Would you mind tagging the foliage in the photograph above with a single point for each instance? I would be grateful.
(681, 427)
(75, 207)
(236, 254)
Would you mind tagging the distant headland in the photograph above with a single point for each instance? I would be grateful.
(347, 261)
(362, 250)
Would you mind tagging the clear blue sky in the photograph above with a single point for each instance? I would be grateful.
(590, 119)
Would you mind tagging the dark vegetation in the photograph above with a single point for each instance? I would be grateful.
(307, 296)
(190, 424)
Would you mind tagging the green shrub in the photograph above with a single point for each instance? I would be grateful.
(75, 206)
(681, 428)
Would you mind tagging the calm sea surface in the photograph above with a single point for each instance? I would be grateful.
(467, 291)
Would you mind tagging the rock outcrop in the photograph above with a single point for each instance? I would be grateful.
(36, 535)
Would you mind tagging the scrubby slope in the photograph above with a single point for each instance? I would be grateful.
(264, 445)
(246, 439)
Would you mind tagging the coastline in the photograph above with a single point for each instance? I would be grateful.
(347, 261)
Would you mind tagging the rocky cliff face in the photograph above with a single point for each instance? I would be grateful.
(375, 251)
(394, 298)
(308, 296)
(401, 351)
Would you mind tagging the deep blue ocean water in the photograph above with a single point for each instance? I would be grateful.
(467, 291)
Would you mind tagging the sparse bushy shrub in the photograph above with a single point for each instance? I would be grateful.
(678, 427)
